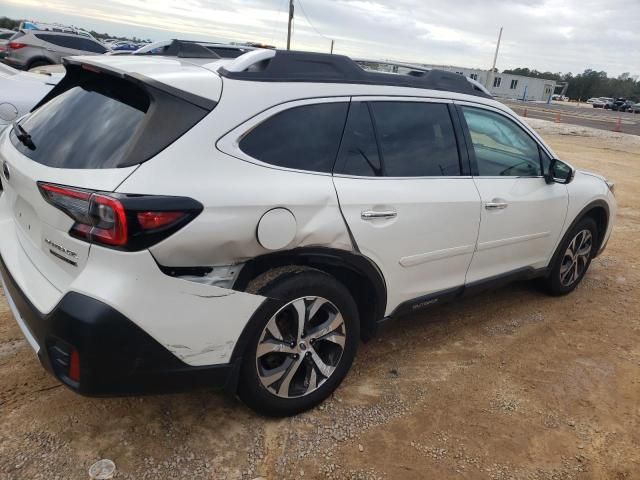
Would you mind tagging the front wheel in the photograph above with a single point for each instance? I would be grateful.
(573, 258)
(301, 345)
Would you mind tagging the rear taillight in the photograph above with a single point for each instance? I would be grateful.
(16, 45)
(128, 222)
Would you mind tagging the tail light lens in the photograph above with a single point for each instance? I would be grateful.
(126, 222)
(16, 45)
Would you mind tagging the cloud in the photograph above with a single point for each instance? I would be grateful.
(549, 35)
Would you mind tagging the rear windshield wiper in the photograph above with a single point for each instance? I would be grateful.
(23, 136)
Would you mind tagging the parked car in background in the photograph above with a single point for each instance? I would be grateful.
(32, 48)
(624, 107)
(617, 103)
(125, 46)
(593, 100)
(635, 108)
(176, 48)
(603, 102)
(139, 254)
(21, 91)
(5, 35)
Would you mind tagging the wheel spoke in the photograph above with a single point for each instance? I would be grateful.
(312, 380)
(572, 247)
(270, 376)
(332, 323)
(574, 273)
(301, 311)
(564, 269)
(273, 346)
(283, 389)
(334, 337)
(315, 306)
(273, 329)
(324, 369)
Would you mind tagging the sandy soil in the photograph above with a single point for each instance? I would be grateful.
(509, 385)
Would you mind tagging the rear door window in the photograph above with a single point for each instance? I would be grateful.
(89, 126)
(303, 138)
(416, 139)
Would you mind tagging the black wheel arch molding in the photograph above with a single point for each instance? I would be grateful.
(592, 209)
(359, 274)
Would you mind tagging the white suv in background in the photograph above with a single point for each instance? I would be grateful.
(168, 225)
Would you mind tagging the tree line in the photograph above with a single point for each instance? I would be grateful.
(590, 83)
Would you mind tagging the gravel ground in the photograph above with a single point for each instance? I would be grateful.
(512, 384)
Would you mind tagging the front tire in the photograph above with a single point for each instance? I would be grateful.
(573, 258)
(301, 344)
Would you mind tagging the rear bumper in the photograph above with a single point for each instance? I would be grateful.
(15, 63)
(116, 356)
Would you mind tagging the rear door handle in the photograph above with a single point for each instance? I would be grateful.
(496, 205)
(374, 214)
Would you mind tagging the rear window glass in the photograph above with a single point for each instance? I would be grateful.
(304, 138)
(89, 126)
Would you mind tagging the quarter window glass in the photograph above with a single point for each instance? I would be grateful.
(359, 152)
(304, 138)
(416, 139)
(501, 147)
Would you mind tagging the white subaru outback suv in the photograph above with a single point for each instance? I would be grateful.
(169, 224)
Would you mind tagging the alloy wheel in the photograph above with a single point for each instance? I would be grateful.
(576, 258)
(300, 347)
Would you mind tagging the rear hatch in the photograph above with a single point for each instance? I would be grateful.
(88, 135)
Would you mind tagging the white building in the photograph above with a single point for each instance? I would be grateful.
(501, 85)
(506, 85)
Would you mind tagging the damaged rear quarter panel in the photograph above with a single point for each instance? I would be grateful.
(235, 194)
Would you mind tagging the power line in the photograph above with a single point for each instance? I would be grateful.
(309, 21)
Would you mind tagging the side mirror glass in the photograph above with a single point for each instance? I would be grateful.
(559, 172)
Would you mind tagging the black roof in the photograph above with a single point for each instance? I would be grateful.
(293, 66)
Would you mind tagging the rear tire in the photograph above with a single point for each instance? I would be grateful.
(573, 258)
(289, 367)
(38, 63)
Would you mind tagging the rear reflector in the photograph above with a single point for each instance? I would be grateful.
(128, 222)
(153, 220)
(74, 366)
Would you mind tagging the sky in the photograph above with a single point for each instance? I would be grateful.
(547, 35)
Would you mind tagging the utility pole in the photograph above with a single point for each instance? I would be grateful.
(289, 26)
(495, 58)
(332, 42)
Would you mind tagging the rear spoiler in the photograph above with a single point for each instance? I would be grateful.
(76, 69)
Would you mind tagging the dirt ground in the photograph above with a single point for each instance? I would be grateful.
(512, 384)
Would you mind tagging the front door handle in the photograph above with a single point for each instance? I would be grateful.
(375, 214)
(496, 205)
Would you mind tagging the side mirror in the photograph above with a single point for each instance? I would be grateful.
(559, 172)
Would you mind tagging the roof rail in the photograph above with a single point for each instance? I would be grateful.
(293, 66)
(413, 70)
